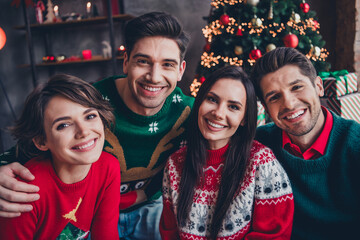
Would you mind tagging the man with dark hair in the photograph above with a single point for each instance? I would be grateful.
(318, 149)
(150, 114)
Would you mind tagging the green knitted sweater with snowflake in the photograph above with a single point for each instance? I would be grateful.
(326, 190)
(142, 144)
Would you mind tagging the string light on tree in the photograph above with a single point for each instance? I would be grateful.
(240, 31)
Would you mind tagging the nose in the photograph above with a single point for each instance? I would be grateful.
(82, 130)
(289, 101)
(154, 74)
(219, 111)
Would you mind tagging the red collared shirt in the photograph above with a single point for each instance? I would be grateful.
(319, 146)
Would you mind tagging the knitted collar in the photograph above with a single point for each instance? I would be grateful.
(215, 157)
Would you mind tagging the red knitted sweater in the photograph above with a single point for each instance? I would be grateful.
(262, 209)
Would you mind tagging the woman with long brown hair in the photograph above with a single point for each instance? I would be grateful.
(224, 184)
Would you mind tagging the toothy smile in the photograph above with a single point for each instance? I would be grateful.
(214, 124)
(151, 89)
(295, 115)
(89, 144)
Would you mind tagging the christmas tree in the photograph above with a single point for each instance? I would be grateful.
(241, 31)
(50, 16)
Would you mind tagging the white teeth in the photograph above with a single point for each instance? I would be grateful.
(152, 89)
(215, 125)
(295, 115)
(86, 145)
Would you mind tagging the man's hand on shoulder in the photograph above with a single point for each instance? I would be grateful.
(14, 193)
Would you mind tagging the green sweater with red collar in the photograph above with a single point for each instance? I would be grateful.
(326, 190)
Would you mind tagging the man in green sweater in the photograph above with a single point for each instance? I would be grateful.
(318, 149)
(151, 114)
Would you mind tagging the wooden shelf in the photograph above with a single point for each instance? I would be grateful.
(85, 21)
(92, 60)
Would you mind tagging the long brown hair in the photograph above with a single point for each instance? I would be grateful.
(237, 154)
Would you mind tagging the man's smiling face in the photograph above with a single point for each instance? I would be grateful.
(153, 70)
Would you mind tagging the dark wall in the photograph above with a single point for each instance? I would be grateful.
(18, 81)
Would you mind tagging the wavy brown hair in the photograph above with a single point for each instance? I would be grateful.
(31, 122)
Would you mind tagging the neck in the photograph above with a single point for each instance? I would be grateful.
(71, 174)
(132, 103)
(305, 141)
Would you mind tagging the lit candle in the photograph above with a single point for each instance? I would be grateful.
(56, 10)
(88, 7)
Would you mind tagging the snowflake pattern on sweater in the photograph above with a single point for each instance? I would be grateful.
(263, 205)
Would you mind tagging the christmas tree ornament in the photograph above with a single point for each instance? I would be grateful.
(202, 79)
(224, 19)
(295, 17)
(316, 24)
(291, 40)
(253, 2)
(207, 47)
(270, 47)
(39, 8)
(50, 16)
(256, 22)
(238, 50)
(239, 31)
(271, 11)
(305, 7)
(315, 51)
(255, 54)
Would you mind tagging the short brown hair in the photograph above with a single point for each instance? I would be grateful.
(155, 24)
(276, 59)
(31, 122)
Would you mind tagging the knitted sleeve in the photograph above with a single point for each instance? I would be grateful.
(168, 224)
(105, 221)
(274, 204)
(19, 228)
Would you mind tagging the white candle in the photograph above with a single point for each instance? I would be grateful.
(88, 7)
(56, 10)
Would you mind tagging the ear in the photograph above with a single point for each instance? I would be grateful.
(39, 143)
(319, 86)
(125, 63)
(182, 69)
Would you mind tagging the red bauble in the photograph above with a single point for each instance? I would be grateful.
(207, 47)
(316, 24)
(255, 54)
(305, 7)
(224, 19)
(202, 79)
(239, 32)
(291, 40)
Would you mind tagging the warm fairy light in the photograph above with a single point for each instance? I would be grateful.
(209, 60)
(216, 3)
(323, 55)
(251, 61)
(194, 87)
(215, 28)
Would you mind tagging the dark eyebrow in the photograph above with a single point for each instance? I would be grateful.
(67, 117)
(230, 101)
(290, 84)
(147, 56)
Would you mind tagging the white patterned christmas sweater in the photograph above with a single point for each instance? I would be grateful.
(262, 208)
